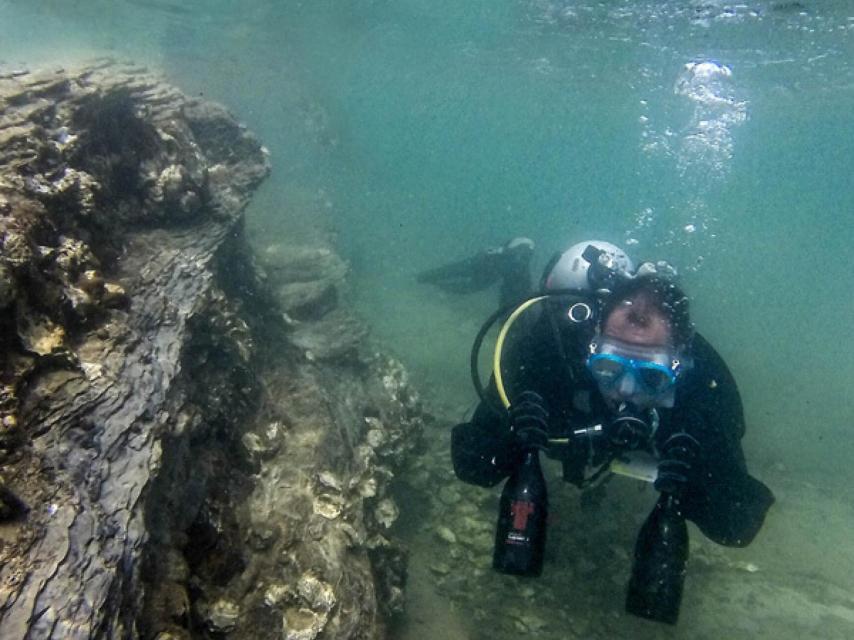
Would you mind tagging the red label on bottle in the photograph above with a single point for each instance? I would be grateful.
(521, 509)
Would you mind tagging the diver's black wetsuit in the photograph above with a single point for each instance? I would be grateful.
(728, 505)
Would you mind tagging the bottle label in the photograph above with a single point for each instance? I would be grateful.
(521, 509)
(514, 537)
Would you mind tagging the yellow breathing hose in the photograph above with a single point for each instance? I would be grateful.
(499, 346)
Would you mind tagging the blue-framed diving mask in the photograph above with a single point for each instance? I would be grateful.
(644, 375)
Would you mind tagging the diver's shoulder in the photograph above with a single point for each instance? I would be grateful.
(704, 354)
(709, 372)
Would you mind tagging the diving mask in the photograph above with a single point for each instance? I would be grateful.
(653, 370)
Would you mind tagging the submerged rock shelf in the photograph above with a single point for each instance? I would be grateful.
(192, 444)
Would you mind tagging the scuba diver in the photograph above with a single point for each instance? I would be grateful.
(603, 371)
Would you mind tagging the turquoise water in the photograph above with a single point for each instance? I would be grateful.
(715, 135)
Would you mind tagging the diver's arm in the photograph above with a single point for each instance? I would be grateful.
(482, 450)
(731, 513)
(724, 500)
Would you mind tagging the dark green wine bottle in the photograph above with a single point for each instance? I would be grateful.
(658, 572)
(520, 537)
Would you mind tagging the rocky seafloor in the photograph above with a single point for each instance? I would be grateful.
(196, 441)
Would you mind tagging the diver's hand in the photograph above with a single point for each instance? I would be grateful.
(529, 422)
(679, 465)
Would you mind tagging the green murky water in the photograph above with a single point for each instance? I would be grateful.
(716, 135)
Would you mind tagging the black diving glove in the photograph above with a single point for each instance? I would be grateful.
(678, 467)
(529, 422)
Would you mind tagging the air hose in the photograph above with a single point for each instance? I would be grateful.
(515, 310)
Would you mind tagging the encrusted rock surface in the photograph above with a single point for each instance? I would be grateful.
(162, 475)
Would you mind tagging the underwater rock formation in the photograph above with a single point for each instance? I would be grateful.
(191, 445)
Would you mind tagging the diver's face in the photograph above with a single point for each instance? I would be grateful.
(638, 321)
